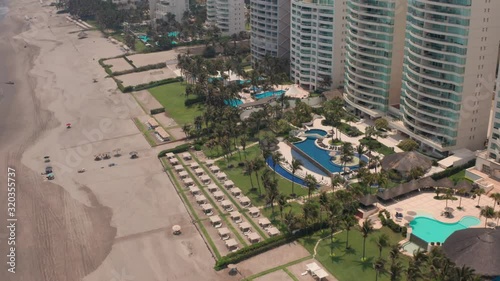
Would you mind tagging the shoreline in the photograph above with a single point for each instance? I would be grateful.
(106, 221)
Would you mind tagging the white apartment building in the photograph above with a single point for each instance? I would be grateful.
(270, 28)
(374, 55)
(160, 8)
(451, 52)
(227, 15)
(317, 42)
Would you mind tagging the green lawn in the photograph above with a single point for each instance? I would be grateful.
(347, 265)
(236, 174)
(275, 219)
(458, 176)
(172, 97)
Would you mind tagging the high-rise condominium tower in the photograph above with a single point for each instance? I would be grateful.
(227, 15)
(451, 50)
(374, 55)
(317, 43)
(159, 9)
(270, 27)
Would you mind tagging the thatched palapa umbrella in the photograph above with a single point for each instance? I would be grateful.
(477, 248)
(445, 182)
(405, 162)
(464, 185)
(426, 182)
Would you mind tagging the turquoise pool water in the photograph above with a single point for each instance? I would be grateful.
(269, 94)
(321, 156)
(233, 102)
(143, 38)
(432, 230)
(173, 34)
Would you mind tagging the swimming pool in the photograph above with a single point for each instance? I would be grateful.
(284, 173)
(319, 132)
(143, 38)
(432, 230)
(233, 102)
(269, 94)
(322, 156)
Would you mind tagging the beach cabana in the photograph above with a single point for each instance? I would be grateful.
(162, 134)
(224, 233)
(188, 182)
(221, 176)
(228, 184)
(152, 123)
(218, 195)
(216, 221)
(194, 165)
(253, 237)
(235, 191)
(207, 209)
(477, 248)
(254, 212)
(199, 172)
(194, 190)
(212, 188)
(178, 168)
(170, 155)
(320, 274)
(311, 267)
(183, 174)
(205, 179)
(245, 201)
(227, 205)
(264, 222)
(209, 163)
(273, 231)
(200, 199)
(214, 169)
(245, 228)
(186, 156)
(173, 161)
(231, 245)
(235, 216)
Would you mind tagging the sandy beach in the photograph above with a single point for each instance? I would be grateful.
(111, 222)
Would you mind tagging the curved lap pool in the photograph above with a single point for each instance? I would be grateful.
(432, 230)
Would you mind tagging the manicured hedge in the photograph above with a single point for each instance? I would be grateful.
(157, 110)
(157, 83)
(141, 69)
(178, 149)
(453, 170)
(266, 245)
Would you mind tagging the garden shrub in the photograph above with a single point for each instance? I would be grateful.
(157, 83)
(453, 170)
(196, 100)
(178, 149)
(157, 110)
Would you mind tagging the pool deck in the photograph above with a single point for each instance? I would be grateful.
(424, 204)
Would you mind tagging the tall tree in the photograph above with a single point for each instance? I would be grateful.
(382, 242)
(295, 166)
(379, 266)
(277, 158)
(366, 229)
(478, 192)
(496, 199)
(311, 184)
(488, 213)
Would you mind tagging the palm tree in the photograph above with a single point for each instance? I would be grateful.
(282, 201)
(347, 153)
(478, 192)
(366, 229)
(382, 241)
(336, 181)
(348, 222)
(271, 187)
(258, 164)
(243, 143)
(379, 266)
(323, 202)
(311, 184)
(250, 167)
(295, 165)
(413, 272)
(396, 270)
(461, 192)
(464, 273)
(376, 161)
(488, 213)
(360, 150)
(277, 157)
(186, 128)
(496, 199)
(448, 193)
